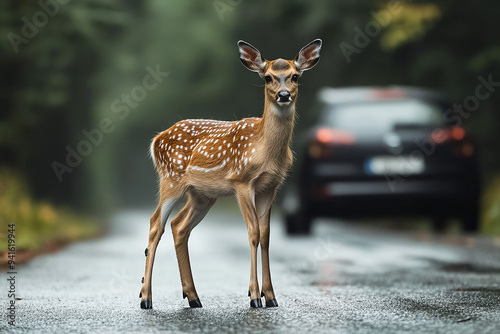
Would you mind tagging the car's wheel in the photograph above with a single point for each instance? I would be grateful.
(298, 223)
(470, 219)
(439, 223)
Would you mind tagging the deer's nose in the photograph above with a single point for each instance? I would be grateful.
(283, 96)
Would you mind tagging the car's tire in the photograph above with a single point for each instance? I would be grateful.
(470, 220)
(439, 223)
(298, 224)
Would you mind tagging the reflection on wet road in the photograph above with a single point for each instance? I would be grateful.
(344, 278)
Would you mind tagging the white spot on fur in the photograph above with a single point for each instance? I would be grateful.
(206, 170)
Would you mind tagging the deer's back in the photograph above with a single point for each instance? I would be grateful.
(206, 153)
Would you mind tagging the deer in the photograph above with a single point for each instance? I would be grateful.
(207, 159)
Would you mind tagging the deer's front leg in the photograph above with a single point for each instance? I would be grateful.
(263, 204)
(155, 233)
(246, 200)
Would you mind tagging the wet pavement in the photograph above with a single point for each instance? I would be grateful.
(345, 278)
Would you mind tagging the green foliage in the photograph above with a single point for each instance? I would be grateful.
(409, 24)
(491, 207)
(37, 223)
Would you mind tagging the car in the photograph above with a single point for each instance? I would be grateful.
(384, 151)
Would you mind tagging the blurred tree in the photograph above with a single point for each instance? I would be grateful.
(48, 90)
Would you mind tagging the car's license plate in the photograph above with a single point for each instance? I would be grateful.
(401, 165)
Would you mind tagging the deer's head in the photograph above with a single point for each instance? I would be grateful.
(281, 76)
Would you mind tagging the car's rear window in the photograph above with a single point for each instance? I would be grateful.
(382, 115)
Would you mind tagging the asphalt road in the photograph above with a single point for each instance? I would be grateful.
(344, 279)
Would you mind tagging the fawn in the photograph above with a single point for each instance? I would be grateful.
(207, 159)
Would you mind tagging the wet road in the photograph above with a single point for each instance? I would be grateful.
(345, 278)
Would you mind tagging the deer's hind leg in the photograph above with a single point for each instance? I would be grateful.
(156, 229)
(194, 211)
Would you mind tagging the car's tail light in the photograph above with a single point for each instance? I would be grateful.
(333, 136)
(461, 147)
(444, 135)
(388, 94)
(325, 141)
(465, 150)
(457, 133)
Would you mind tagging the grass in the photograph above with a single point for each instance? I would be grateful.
(491, 208)
(38, 225)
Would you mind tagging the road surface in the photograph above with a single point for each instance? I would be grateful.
(345, 278)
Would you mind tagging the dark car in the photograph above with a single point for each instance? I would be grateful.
(384, 151)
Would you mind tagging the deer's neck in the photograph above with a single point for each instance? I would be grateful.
(276, 129)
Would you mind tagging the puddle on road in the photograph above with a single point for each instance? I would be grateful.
(324, 283)
(462, 267)
(488, 290)
(442, 309)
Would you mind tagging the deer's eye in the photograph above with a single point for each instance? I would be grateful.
(268, 78)
(295, 77)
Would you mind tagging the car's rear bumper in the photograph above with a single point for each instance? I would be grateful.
(392, 188)
(426, 197)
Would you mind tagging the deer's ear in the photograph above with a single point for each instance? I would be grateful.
(308, 56)
(250, 57)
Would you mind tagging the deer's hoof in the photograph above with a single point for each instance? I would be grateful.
(255, 303)
(195, 303)
(147, 304)
(271, 303)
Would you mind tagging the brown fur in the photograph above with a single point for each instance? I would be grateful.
(280, 65)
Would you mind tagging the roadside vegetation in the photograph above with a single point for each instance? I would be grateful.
(491, 208)
(39, 226)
